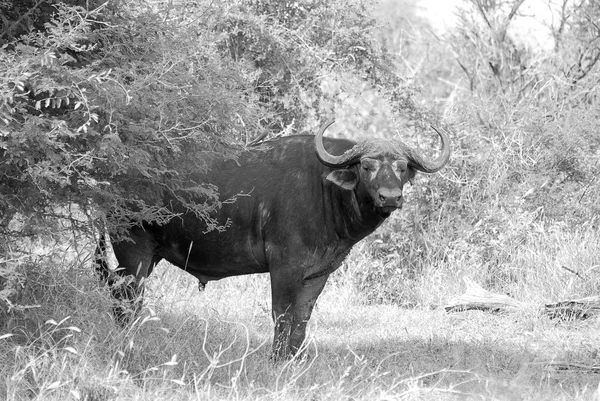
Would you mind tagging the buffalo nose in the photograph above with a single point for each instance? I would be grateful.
(389, 195)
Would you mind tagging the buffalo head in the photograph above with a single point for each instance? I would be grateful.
(377, 169)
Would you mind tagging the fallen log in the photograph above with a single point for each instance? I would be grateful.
(477, 298)
(580, 308)
(572, 366)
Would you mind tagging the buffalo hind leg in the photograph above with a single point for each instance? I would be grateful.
(136, 259)
(293, 303)
(101, 262)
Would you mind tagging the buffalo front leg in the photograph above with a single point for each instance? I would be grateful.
(293, 302)
(136, 261)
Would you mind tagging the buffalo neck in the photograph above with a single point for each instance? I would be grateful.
(353, 213)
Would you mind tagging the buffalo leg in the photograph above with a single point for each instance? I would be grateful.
(136, 259)
(101, 263)
(293, 302)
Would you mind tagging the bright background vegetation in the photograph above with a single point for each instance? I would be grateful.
(104, 105)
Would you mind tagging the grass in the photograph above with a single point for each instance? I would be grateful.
(215, 344)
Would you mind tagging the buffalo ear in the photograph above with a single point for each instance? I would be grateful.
(344, 178)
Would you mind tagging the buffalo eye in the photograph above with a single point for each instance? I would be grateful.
(369, 164)
(400, 166)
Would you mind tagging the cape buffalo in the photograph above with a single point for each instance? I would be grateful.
(311, 199)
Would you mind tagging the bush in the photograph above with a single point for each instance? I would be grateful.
(92, 122)
(525, 161)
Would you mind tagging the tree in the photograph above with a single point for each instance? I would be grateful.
(108, 108)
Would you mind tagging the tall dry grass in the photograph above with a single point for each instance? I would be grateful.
(215, 344)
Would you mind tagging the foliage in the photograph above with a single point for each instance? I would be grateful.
(526, 155)
(24, 16)
(96, 121)
(534, 107)
(296, 51)
(109, 111)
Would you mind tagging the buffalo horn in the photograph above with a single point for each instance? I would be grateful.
(433, 166)
(349, 157)
(356, 152)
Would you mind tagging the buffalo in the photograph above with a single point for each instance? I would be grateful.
(311, 199)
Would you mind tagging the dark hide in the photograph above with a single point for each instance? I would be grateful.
(298, 223)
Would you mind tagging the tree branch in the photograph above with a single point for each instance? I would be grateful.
(16, 23)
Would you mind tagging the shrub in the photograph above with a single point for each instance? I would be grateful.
(525, 160)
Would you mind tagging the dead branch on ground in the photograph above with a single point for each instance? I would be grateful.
(477, 298)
